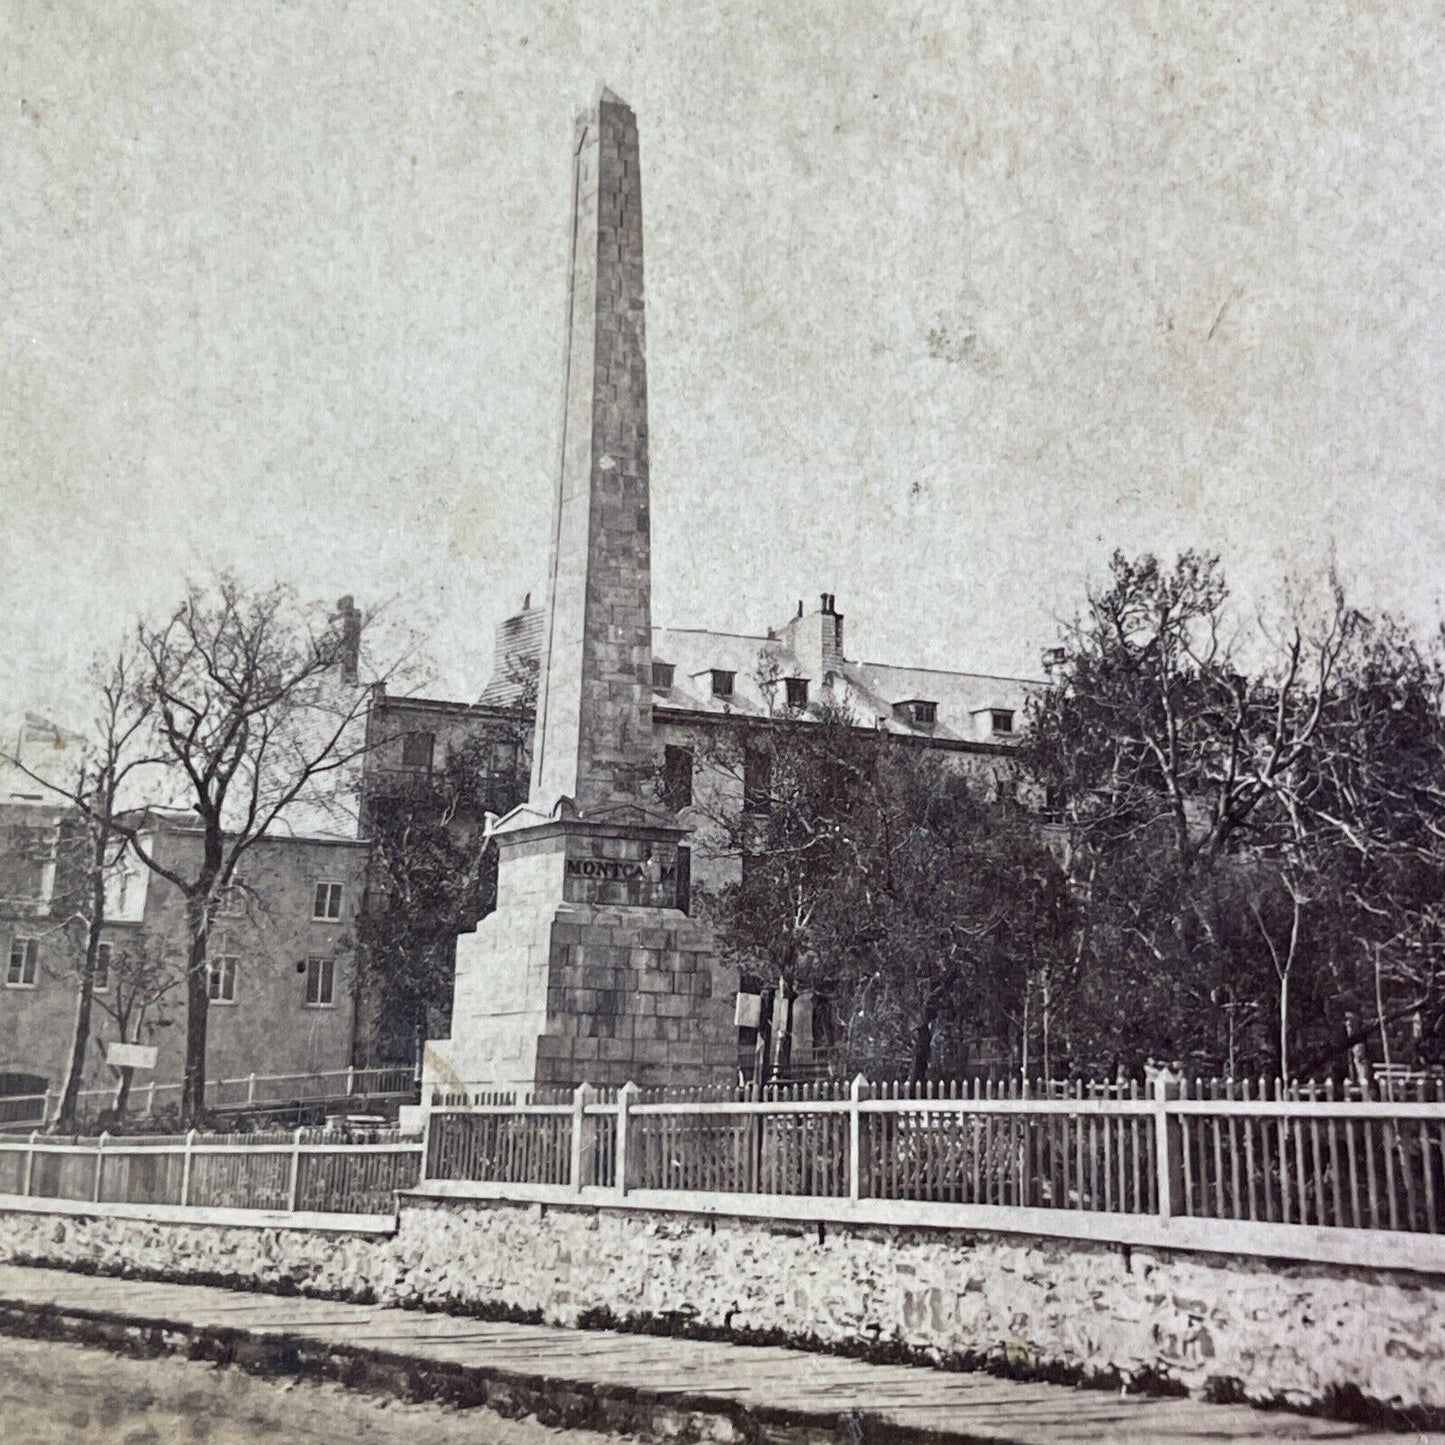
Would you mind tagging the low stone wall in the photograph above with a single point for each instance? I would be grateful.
(286, 1261)
(1302, 1334)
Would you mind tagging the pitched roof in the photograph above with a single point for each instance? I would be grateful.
(871, 690)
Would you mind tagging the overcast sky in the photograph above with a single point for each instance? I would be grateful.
(945, 301)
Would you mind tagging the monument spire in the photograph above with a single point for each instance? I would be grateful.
(594, 705)
(589, 968)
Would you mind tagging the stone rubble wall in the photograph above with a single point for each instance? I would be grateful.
(1279, 1332)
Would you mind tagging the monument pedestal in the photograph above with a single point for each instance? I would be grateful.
(613, 983)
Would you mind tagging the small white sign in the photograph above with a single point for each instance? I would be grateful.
(131, 1056)
(749, 1011)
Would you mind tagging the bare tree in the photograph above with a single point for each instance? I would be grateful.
(254, 720)
(878, 871)
(117, 752)
(1264, 844)
(253, 715)
(142, 978)
(90, 838)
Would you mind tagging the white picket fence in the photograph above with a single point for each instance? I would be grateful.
(309, 1173)
(232, 1094)
(1292, 1172)
(1347, 1179)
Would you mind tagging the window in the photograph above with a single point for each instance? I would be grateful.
(24, 963)
(994, 722)
(326, 906)
(917, 712)
(100, 979)
(757, 780)
(417, 750)
(682, 899)
(722, 682)
(231, 899)
(797, 691)
(662, 676)
(677, 777)
(27, 859)
(502, 760)
(320, 982)
(221, 978)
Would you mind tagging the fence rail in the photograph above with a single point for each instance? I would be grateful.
(1242, 1153)
(242, 1092)
(303, 1171)
(1217, 1165)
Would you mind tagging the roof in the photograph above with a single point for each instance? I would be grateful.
(870, 690)
(877, 687)
(182, 820)
(400, 703)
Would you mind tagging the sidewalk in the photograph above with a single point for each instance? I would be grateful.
(616, 1382)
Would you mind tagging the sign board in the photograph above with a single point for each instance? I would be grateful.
(749, 1011)
(131, 1056)
(631, 871)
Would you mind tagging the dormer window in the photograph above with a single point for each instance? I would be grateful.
(993, 722)
(722, 682)
(797, 688)
(917, 712)
(662, 676)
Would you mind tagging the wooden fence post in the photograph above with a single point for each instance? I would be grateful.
(350, 1080)
(582, 1128)
(99, 1166)
(295, 1168)
(45, 1109)
(186, 1169)
(625, 1096)
(426, 1127)
(151, 1099)
(251, 1087)
(855, 1137)
(29, 1166)
(1163, 1146)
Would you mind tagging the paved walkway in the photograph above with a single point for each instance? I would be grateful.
(618, 1382)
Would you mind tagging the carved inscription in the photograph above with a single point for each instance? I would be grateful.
(622, 870)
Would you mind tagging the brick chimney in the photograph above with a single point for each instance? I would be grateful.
(349, 616)
(832, 630)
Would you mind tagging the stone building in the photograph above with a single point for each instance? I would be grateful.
(281, 976)
(705, 683)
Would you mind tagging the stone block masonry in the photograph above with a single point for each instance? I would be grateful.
(595, 706)
(1299, 1334)
(549, 991)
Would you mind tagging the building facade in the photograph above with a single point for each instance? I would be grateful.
(709, 691)
(707, 682)
(281, 975)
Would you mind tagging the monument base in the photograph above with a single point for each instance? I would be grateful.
(608, 986)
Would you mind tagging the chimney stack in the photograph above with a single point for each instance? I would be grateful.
(832, 628)
(350, 617)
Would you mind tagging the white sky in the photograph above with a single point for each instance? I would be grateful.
(946, 300)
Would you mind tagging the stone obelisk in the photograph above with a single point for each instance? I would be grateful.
(594, 704)
(587, 971)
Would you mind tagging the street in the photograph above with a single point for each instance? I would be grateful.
(61, 1394)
